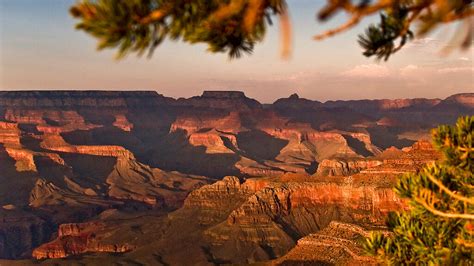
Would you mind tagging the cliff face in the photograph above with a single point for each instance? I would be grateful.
(276, 216)
(159, 165)
(214, 201)
(338, 243)
(50, 174)
(19, 231)
(235, 100)
(194, 123)
(74, 239)
(344, 168)
(256, 220)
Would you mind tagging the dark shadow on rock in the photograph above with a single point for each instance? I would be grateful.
(325, 118)
(20, 232)
(171, 152)
(29, 129)
(174, 153)
(31, 143)
(85, 170)
(52, 171)
(106, 116)
(258, 145)
(152, 143)
(107, 135)
(52, 122)
(357, 145)
(386, 137)
(89, 170)
(15, 186)
(312, 168)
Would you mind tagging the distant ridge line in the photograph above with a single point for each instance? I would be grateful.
(466, 99)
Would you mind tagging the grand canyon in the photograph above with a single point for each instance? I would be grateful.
(138, 178)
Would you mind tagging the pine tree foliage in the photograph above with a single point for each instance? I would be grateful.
(438, 227)
(396, 22)
(141, 25)
(235, 26)
(380, 40)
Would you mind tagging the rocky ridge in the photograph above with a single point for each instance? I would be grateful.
(76, 239)
(338, 244)
(265, 218)
(297, 165)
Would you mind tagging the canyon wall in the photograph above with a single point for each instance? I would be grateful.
(218, 172)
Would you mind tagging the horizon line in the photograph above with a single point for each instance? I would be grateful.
(228, 91)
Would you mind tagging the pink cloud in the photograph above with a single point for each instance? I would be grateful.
(408, 70)
(455, 69)
(368, 71)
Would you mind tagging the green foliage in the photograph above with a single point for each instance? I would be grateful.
(141, 25)
(438, 228)
(380, 40)
(235, 26)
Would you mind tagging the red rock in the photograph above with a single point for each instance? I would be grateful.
(64, 151)
(122, 122)
(337, 243)
(74, 239)
(24, 159)
(336, 167)
(212, 140)
(230, 123)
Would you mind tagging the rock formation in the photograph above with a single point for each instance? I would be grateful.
(229, 179)
(235, 100)
(74, 239)
(343, 167)
(338, 244)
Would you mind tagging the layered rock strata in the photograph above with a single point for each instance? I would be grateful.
(74, 239)
(337, 244)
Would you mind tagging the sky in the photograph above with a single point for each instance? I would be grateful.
(40, 49)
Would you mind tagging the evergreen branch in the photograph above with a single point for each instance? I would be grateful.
(252, 14)
(395, 24)
(359, 13)
(444, 214)
(454, 17)
(447, 190)
(227, 10)
(466, 149)
(346, 26)
(156, 15)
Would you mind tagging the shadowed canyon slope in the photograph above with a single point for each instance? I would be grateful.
(136, 177)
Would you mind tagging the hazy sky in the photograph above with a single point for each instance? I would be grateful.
(39, 49)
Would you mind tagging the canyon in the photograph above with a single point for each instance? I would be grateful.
(134, 177)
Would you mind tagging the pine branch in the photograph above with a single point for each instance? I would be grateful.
(235, 26)
(444, 214)
(438, 230)
(156, 16)
(447, 190)
(346, 26)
